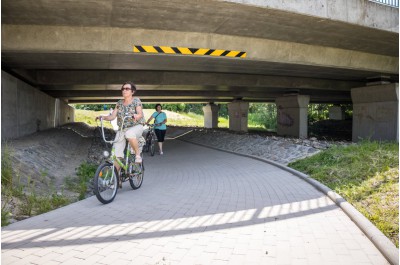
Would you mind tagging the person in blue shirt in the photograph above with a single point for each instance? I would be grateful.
(160, 119)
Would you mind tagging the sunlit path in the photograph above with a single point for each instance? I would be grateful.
(196, 206)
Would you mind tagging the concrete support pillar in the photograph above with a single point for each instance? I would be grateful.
(238, 113)
(210, 115)
(375, 112)
(336, 113)
(292, 114)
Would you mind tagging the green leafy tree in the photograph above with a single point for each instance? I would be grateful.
(263, 114)
(319, 112)
(95, 107)
(223, 110)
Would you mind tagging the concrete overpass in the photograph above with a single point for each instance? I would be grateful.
(312, 51)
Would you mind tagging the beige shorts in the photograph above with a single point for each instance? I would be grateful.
(132, 132)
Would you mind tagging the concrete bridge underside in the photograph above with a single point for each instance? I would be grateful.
(82, 51)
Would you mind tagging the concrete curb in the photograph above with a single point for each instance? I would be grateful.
(382, 243)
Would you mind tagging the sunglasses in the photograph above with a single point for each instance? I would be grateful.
(125, 88)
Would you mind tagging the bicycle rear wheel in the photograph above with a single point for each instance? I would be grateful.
(105, 183)
(136, 179)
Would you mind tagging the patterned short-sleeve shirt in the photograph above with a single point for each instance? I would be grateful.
(128, 110)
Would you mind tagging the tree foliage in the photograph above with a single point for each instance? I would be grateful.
(263, 114)
(190, 107)
(319, 112)
(95, 107)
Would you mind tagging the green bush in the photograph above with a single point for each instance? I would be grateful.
(5, 212)
(50, 202)
(85, 173)
(6, 167)
(6, 184)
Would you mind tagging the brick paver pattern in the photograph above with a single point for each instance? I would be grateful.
(196, 206)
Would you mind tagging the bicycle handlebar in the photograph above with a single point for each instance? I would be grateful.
(153, 125)
(120, 129)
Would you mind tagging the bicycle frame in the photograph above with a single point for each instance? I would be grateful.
(116, 159)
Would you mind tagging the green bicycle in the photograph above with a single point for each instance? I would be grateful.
(107, 180)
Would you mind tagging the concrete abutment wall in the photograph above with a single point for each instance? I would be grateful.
(26, 110)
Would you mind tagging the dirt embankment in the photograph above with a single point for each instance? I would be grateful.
(46, 158)
(43, 161)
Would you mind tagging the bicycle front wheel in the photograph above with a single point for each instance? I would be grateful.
(146, 145)
(152, 145)
(105, 183)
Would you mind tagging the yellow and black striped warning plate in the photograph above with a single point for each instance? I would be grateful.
(188, 51)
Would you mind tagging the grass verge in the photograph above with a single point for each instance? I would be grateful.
(366, 175)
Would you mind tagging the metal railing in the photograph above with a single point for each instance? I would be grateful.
(392, 3)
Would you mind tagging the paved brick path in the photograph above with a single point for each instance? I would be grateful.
(196, 206)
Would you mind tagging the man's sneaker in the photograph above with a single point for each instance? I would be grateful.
(161, 153)
(138, 159)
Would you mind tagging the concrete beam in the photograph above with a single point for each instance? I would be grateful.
(317, 19)
(61, 78)
(108, 40)
(263, 95)
(313, 47)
